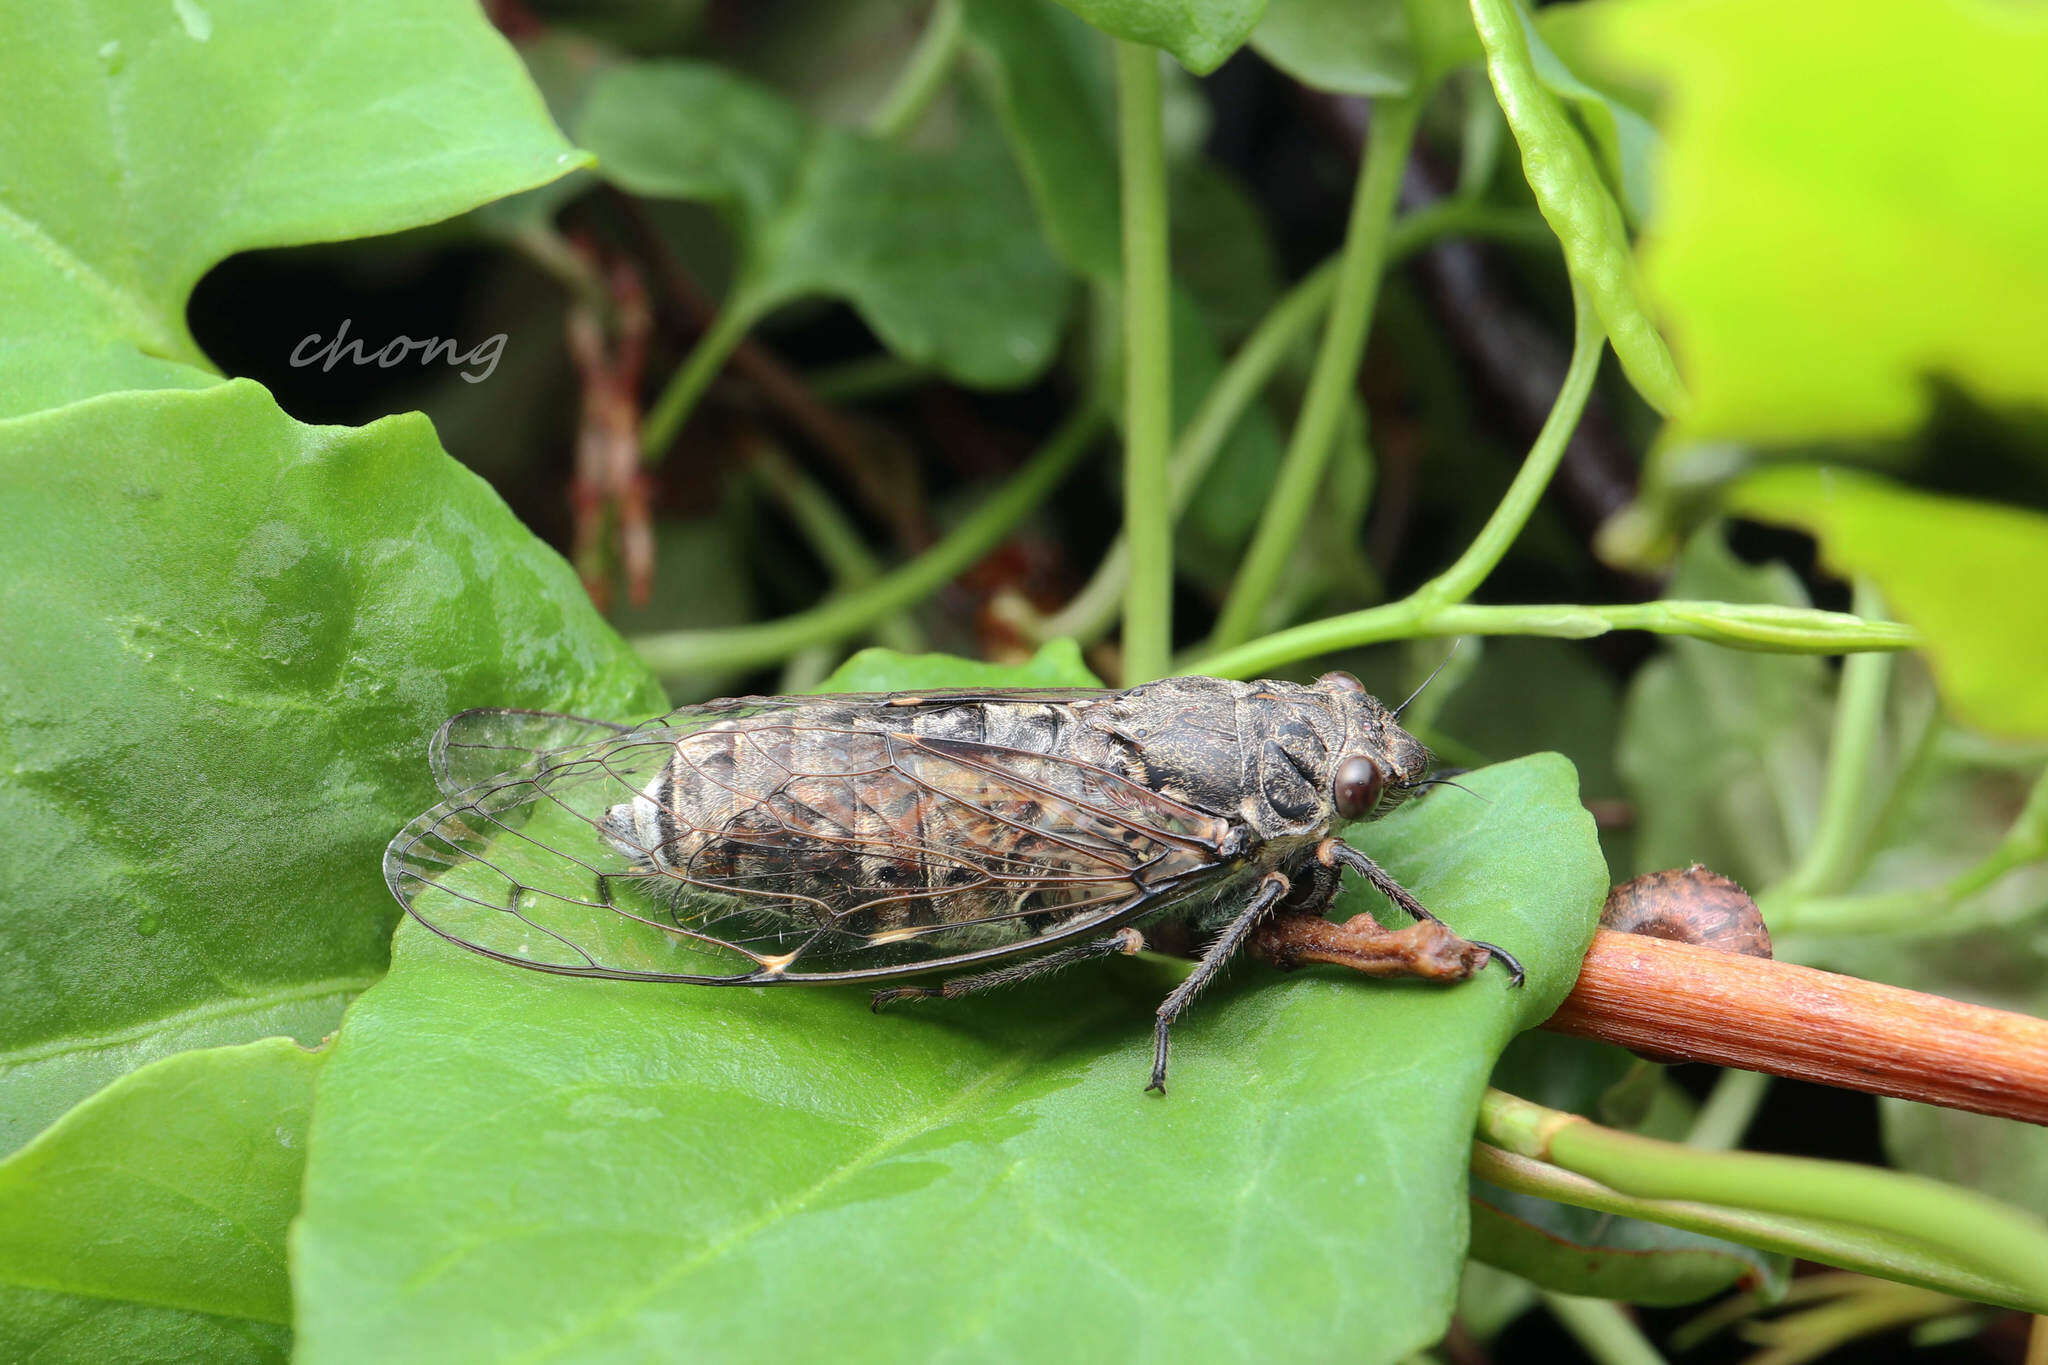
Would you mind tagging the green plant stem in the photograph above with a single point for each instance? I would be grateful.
(549, 250)
(1568, 187)
(1148, 365)
(833, 537)
(1958, 1224)
(1092, 610)
(876, 376)
(679, 396)
(1829, 862)
(1801, 1337)
(1853, 1248)
(1604, 1330)
(1480, 558)
(1090, 613)
(1739, 625)
(1926, 907)
(924, 75)
(677, 652)
(1730, 1106)
(1388, 139)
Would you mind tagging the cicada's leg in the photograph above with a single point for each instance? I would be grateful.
(1336, 853)
(1122, 941)
(1273, 887)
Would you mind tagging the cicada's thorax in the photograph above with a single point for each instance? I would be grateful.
(1260, 753)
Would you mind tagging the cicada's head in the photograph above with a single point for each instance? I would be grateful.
(1376, 757)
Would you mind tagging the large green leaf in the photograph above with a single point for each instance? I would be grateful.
(140, 144)
(937, 250)
(59, 1329)
(1970, 575)
(1367, 47)
(1724, 751)
(1032, 62)
(163, 1200)
(228, 638)
(1842, 209)
(1199, 32)
(510, 1165)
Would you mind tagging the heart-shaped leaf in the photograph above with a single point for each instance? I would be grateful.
(937, 250)
(229, 637)
(509, 1164)
(142, 144)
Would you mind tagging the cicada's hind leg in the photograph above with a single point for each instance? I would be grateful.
(1428, 948)
(1122, 941)
(1273, 889)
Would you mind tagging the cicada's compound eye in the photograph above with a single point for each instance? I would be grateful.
(1358, 787)
(1339, 681)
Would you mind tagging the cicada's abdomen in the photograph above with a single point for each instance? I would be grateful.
(827, 819)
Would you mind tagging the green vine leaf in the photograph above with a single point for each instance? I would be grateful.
(142, 145)
(229, 640)
(937, 250)
(1201, 33)
(165, 1199)
(1968, 574)
(711, 1165)
(1376, 48)
(1899, 241)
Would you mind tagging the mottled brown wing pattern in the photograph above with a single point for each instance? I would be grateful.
(820, 841)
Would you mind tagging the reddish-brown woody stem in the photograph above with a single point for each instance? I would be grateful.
(1681, 1000)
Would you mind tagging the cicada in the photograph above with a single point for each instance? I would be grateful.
(983, 837)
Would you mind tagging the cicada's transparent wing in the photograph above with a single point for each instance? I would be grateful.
(521, 867)
(787, 841)
(478, 745)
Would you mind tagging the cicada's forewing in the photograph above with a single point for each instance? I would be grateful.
(519, 866)
(788, 840)
(497, 742)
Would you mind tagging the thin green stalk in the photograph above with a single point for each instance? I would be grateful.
(924, 75)
(1730, 1106)
(1959, 1224)
(548, 249)
(679, 396)
(876, 376)
(1800, 1337)
(1090, 613)
(1092, 610)
(1831, 857)
(1470, 569)
(1148, 366)
(1388, 139)
(677, 652)
(834, 537)
(2024, 843)
(1604, 1330)
(1739, 625)
(1861, 1249)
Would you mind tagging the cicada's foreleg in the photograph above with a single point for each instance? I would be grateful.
(1122, 941)
(1336, 853)
(1273, 888)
